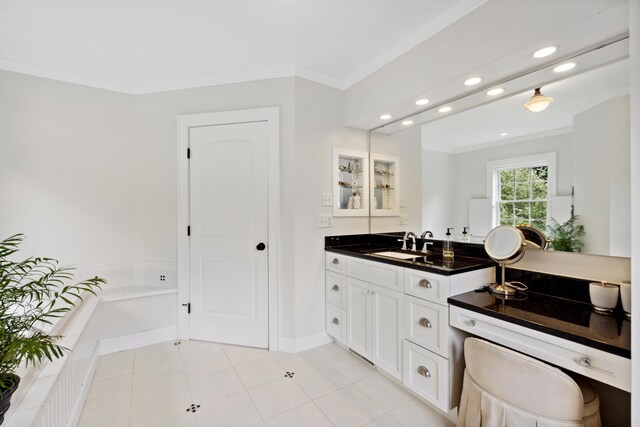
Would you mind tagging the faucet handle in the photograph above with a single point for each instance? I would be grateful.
(424, 247)
(404, 243)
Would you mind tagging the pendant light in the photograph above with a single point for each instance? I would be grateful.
(538, 102)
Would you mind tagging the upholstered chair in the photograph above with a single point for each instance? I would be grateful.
(505, 388)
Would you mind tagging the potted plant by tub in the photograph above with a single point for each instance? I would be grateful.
(33, 292)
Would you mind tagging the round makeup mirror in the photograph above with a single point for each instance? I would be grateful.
(505, 245)
(534, 236)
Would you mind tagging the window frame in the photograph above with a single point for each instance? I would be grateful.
(493, 178)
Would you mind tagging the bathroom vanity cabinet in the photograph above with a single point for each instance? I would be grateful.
(397, 318)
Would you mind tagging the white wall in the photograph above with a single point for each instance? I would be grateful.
(634, 99)
(601, 176)
(470, 181)
(90, 176)
(319, 126)
(66, 168)
(438, 194)
(405, 145)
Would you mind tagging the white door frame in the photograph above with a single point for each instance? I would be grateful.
(272, 116)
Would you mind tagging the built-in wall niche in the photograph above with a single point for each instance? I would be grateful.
(351, 182)
(385, 194)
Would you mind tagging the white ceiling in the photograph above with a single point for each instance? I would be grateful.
(152, 45)
(481, 126)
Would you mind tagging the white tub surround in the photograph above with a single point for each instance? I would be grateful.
(119, 318)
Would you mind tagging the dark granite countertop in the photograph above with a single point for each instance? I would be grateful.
(564, 318)
(467, 257)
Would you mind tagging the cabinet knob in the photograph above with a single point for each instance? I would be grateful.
(584, 361)
(471, 322)
(335, 288)
(335, 321)
(424, 283)
(335, 261)
(424, 322)
(424, 371)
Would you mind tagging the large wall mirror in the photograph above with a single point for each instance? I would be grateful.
(490, 161)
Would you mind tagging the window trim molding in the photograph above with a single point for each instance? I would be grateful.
(548, 159)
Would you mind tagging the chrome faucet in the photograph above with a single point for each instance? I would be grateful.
(413, 237)
(424, 233)
(424, 247)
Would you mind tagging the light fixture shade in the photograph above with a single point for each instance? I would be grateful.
(538, 102)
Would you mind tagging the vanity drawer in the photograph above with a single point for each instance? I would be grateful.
(335, 262)
(428, 286)
(336, 285)
(336, 319)
(427, 324)
(389, 276)
(427, 375)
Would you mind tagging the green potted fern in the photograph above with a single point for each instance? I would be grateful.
(566, 237)
(33, 292)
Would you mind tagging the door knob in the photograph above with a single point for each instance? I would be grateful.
(260, 246)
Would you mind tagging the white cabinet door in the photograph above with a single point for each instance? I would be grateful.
(387, 313)
(359, 317)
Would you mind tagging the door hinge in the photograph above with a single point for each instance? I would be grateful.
(188, 153)
(188, 305)
(188, 230)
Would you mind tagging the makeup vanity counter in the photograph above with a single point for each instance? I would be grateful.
(550, 326)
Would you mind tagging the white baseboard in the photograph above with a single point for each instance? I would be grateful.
(141, 339)
(289, 345)
(74, 418)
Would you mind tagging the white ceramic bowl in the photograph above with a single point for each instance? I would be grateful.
(625, 296)
(604, 296)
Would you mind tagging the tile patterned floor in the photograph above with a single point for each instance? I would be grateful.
(162, 385)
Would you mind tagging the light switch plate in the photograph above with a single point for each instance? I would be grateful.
(326, 199)
(325, 221)
(403, 201)
(403, 219)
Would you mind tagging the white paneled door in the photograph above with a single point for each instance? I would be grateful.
(228, 221)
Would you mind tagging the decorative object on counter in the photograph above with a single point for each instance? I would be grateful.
(566, 237)
(604, 296)
(534, 236)
(447, 245)
(464, 237)
(506, 245)
(625, 297)
(32, 293)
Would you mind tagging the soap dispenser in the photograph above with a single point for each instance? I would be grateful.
(464, 237)
(447, 245)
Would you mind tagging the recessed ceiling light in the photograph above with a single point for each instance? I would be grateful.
(407, 122)
(564, 67)
(472, 81)
(495, 91)
(545, 51)
(385, 116)
(504, 134)
(423, 101)
(444, 109)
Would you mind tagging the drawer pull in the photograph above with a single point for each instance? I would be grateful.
(424, 372)
(335, 321)
(424, 283)
(424, 322)
(471, 322)
(335, 288)
(335, 261)
(584, 361)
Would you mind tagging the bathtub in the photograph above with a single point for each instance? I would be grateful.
(118, 318)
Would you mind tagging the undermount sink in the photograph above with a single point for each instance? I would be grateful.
(397, 255)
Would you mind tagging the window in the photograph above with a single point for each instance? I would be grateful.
(522, 196)
(521, 188)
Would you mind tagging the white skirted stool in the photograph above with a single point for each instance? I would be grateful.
(505, 388)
